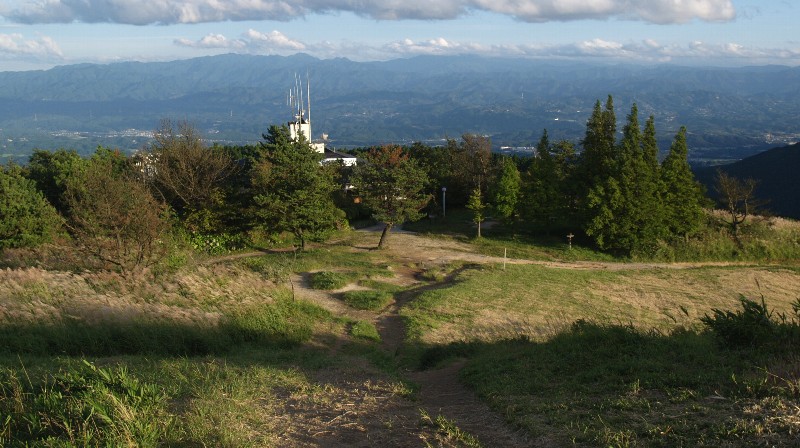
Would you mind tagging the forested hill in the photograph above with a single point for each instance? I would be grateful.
(776, 171)
(730, 112)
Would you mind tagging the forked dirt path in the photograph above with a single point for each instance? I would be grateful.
(440, 390)
(441, 393)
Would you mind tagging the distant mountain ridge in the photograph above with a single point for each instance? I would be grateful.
(730, 112)
(777, 172)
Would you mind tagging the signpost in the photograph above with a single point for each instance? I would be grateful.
(444, 191)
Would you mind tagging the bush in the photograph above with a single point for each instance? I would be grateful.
(753, 325)
(114, 219)
(367, 300)
(26, 218)
(328, 280)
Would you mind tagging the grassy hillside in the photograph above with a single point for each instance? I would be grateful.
(432, 342)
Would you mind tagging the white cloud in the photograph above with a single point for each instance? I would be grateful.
(645, 51)
(274, 39)
(42, 47)
(143, 12)
(251, 41)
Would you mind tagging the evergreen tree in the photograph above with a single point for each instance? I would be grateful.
(565, 162)
(650, 188)
(506, 191)
(542, 194)
(683, 195)
(607, 173)
(599, 143)
(392, 186)
(294, 191)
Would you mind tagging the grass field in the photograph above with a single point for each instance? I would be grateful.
(249, 350)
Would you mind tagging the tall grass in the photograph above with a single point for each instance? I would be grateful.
(82, 406)
(280, 323)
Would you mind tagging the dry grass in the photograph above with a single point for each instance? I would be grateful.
(539, 302)
(199, 295)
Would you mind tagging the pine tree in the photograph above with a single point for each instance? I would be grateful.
(607, 172)
(294, 192)
(683, 195)
(541, 187)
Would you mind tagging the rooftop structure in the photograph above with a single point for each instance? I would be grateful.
(299, 100)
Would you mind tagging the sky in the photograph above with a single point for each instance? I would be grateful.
(40, 34)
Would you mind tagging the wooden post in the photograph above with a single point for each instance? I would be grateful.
(569, 238)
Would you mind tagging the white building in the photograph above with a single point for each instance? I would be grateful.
(300, 103)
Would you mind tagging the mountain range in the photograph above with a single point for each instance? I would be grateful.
(776, 174)
(730, 113)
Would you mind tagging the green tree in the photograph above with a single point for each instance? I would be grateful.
(294, 191)
(603, 172)
(188, 174)
(598, 158)
(114, 218)
(683, 195)
(471, 162)
(26, 218)
(506, 191)
(392, 186)
(542, 195)
(478, 208)
(51, 171)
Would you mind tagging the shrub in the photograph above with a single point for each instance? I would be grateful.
(328, 280)
(367, 300)
(752, 325)
(26, 218)
(114, 218)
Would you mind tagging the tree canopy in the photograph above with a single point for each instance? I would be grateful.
(392, 186)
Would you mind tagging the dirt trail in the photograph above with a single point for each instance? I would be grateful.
(441, 392)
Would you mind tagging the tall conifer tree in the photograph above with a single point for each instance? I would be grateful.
(683, 195)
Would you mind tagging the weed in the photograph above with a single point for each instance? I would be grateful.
(449, 430)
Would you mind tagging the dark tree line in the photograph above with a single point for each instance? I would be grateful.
(613, 191)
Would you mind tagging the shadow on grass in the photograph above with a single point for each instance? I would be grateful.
(284, 323)
(610, 385)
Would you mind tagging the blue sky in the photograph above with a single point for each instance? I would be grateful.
(39, 34)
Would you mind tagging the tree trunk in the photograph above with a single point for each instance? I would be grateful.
(479, 229)
(384, 235)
